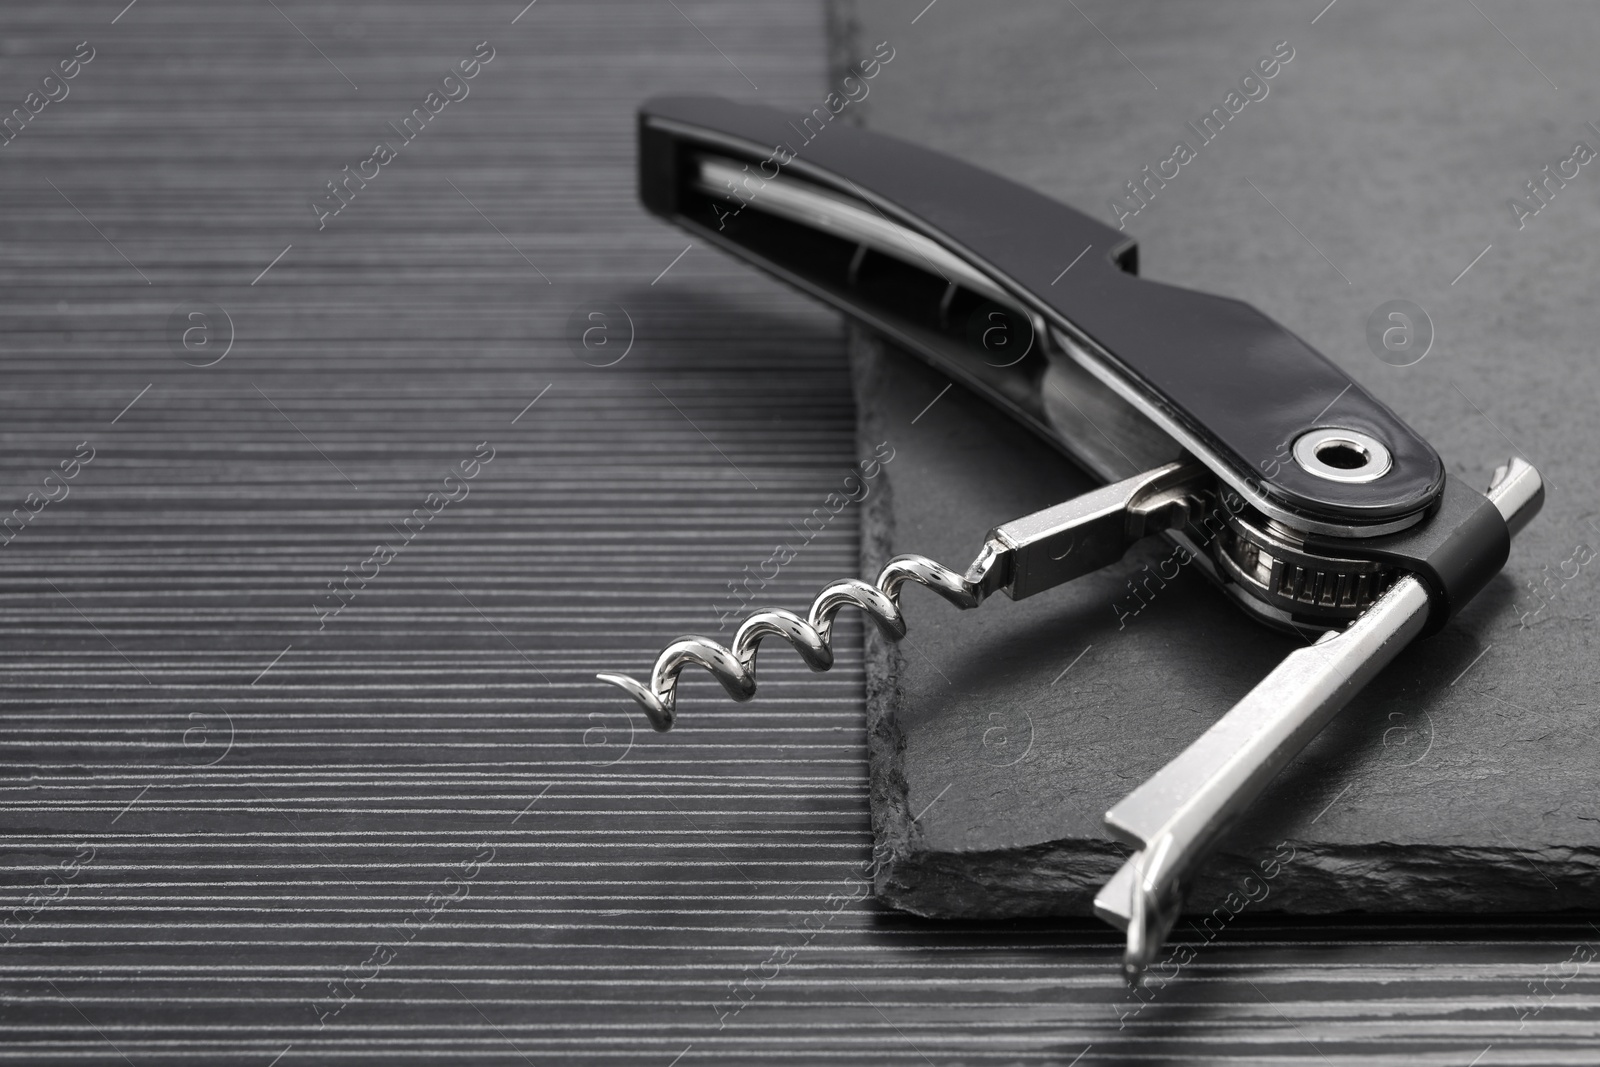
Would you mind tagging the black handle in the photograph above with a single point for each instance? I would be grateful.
(1216, 373)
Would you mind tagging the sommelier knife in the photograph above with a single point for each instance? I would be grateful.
(1301, 496)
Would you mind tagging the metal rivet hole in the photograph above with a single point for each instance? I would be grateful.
(1340, 455)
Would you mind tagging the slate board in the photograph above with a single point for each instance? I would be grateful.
(1462, 779)
(640, 899)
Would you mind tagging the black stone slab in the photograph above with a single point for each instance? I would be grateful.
(1464, 779)
(1000, 736)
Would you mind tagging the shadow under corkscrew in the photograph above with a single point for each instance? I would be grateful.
(734, 665)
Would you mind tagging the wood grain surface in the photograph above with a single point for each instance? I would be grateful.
(240, 828)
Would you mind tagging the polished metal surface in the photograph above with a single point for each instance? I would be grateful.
(734, 665)
(1022, 557)
(1341, 455)
(1179, 813)
(1094, 530)
(1270, 564)
(1518, 492)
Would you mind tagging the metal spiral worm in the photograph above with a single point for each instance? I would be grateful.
(734, 666)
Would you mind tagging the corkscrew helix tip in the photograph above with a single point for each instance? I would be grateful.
(734, 665)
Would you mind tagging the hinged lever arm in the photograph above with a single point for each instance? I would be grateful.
(1088, 532)
(1176, 816)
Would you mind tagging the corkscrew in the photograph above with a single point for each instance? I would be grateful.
(1301, 496)
(1020, 557)
(812, 636)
